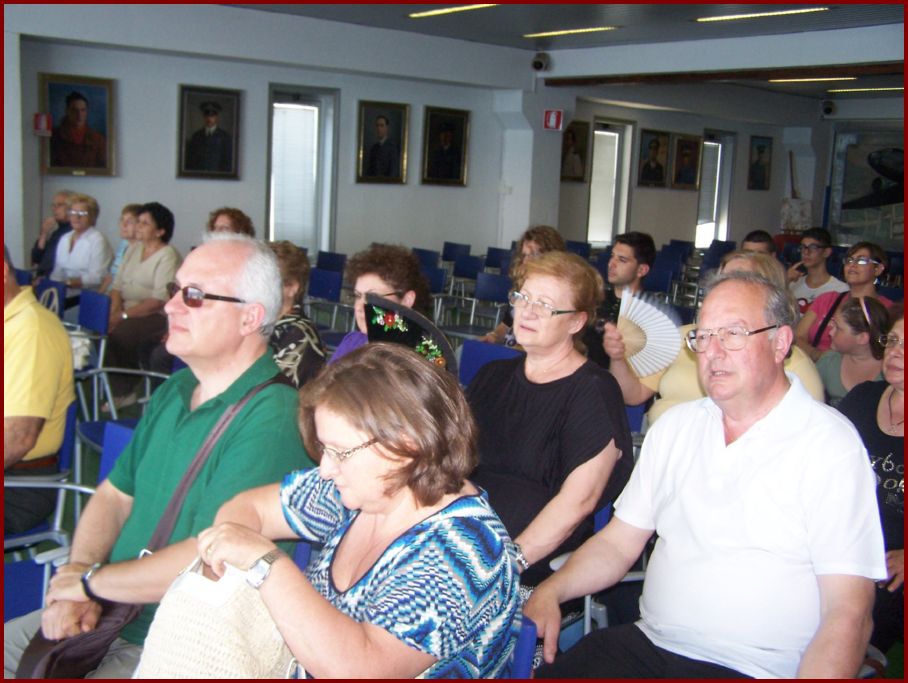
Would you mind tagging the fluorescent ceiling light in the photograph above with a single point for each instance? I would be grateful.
(447, 10)
(760, 15)
(812, 80)
(568, 32)
(865, 89)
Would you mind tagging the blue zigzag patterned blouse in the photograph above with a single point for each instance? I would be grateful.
(447, 586)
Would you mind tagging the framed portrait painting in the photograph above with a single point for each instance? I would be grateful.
(209, 133)
(686, 162)
(81, 140)
(760, 163)
(574, 142)
(654, 146)
(444, 146)
(381, 155)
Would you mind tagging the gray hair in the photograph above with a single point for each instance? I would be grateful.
(260, 279)
(780, 307)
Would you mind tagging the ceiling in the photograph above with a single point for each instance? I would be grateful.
(505, 25)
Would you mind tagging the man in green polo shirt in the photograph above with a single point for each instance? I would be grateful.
(228, 300)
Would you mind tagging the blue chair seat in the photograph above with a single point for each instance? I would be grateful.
(93, 432)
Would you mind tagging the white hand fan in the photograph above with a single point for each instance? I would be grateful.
(651, 336)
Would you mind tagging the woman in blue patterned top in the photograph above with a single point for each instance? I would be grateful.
(416, 574)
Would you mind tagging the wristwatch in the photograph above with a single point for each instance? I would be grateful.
(86, 577)
(124, 315)
(519, 557)
(258, 572)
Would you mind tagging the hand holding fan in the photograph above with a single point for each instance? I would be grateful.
(650, 333)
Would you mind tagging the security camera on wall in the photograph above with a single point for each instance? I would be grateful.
(828, 108)
(541, 61)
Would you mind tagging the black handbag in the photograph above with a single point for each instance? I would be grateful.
(80, 654)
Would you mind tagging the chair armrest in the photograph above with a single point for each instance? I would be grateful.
(55, 556)
(38, 483)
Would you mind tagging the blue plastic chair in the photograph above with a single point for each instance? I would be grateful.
(522, 659)
(451, 250)
(330, 260)
(582, 249)
(52, 295)
(427, 257)
(23, 277)
(494, 257)
(475, 354)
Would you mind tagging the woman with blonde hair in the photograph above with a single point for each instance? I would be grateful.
(83, 254)
(537, 240)
(554, 444)
(679, 381)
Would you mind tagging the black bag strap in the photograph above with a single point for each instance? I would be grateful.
(169, 519)
(829, 314)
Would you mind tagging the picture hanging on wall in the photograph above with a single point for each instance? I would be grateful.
(760, 163)
(574, 143)
(80, 123)
(686, 162)
(209, 133)
(444, 146)
(653, 158)
(382, 149)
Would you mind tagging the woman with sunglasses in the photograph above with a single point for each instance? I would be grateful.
(877, 409)
(139, 294)
(391, 272)
(554, 443)
(855, 354)
(864, 263)
(83, 254)
(540, 239)
(416, 572)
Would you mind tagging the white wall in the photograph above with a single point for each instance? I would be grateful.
(513, 164)
(147, 87)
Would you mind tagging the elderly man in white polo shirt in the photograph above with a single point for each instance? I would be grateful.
(763, 503)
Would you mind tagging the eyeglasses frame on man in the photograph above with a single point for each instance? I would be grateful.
(197, 300)
(721, 333)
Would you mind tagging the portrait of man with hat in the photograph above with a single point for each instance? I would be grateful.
(211, 147)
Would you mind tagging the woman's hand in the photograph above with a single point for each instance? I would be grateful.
(232, 543)
(895, 567)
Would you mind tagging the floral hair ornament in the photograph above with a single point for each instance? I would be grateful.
(391, 321)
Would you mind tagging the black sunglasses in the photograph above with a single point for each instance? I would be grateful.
(193, 296)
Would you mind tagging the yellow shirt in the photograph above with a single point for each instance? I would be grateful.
(680, 382)
(37, 369)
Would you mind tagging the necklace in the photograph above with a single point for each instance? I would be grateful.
(893, 426)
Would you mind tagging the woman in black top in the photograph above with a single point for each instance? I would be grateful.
(877, 410)
(554, 444)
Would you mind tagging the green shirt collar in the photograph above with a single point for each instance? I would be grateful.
(263, 369)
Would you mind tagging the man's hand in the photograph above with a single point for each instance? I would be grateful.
(613, 342)
(895, 566)
(793, 274)
(66, 586)
(67, 619)
(48, 225)
(542, 608)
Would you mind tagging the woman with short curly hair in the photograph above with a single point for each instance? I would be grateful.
(227, 219)
(391, 272)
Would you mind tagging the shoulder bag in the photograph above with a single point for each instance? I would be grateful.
(76, 656)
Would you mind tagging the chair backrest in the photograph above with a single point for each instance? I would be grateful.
(427, 257)
(893, 293)
(494, 256)
(635, 415)
(451, 250)
(23, 588)
(325, 284)
(492, 287)
(51, 294)
(582, 249)
(94, 311)
(467, 266)
(436, 277)
(524, 651)
(116, 438)
(23, 277)
(658, 280)
(330, 260)
(68, 447)
(474, 354)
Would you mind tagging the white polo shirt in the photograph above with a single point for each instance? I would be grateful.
(744, 529)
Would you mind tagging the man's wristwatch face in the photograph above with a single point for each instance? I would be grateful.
(124, 316)
(258, 572)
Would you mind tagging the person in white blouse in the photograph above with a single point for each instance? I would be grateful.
(83, 254)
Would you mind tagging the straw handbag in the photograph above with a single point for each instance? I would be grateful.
(214, 629)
